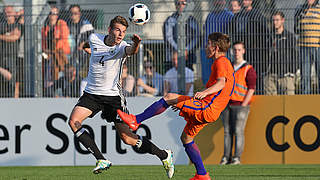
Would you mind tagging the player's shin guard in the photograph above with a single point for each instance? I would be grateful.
(145, 145)
(193, 153)
(153, 110)
(84, 137)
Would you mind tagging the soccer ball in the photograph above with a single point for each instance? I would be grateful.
(139, 14)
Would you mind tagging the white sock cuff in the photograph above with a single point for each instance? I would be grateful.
(80, 132)
(139, 143)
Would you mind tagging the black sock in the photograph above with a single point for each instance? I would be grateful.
(86, 140)
(147, 146)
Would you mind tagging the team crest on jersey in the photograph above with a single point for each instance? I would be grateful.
(112, 51)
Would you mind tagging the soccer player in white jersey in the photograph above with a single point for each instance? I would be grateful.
(103, 93)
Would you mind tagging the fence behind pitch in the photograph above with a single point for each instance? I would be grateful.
(31, 67)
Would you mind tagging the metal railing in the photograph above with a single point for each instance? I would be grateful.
(40, 62)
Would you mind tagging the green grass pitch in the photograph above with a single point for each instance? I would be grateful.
(183, 172)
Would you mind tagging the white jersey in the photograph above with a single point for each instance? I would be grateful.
(105, 66)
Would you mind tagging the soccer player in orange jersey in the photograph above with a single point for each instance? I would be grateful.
(203, 108)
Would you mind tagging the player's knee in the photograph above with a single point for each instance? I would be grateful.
(183, 139)
(227, 131)
(170, 98)
(127, 139)
(71, 122)
(239, 133)
(74, 124)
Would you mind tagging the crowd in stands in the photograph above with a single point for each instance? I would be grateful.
(282, 58)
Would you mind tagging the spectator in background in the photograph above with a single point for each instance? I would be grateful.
(5, 75)
(250, 26)
(151, 83)
(67, 85)
(307, 23)
(217, 21)
(283, 60)
(84, 81)
(80, 29)
(171, 81)
(19, 87)
(170, 34)
(128, 82)
(235, 115)
(55, 47)
(9, 45)
(235, 6)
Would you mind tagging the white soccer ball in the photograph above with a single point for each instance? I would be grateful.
(139, 14)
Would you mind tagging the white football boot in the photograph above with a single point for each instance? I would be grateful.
(168, 164)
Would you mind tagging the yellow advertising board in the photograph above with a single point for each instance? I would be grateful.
(280, 130)
(303, 130)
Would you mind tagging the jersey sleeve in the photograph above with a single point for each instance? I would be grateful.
(221, 68)
(123, 46)
(91, 37)
(251, 78)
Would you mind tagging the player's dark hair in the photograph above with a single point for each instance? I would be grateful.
(239, 42)
(119, 20)
(74, 5)
(221, 40)
(280, 13)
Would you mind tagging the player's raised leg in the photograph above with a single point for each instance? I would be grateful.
(78, 115)
(145, 145)
(154, 109)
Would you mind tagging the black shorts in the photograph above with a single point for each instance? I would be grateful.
(107, 104)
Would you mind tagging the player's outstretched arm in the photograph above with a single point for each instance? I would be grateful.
(133, 49)
(221, 82)
(86, 47)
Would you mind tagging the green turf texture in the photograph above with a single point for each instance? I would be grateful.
(229, 172)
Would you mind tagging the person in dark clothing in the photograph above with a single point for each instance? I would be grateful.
(80, 30)
(283, 63)
(170, 34)
(307, 25)
(249, 26)
(9, 45)
(67, 85)
(218, 20)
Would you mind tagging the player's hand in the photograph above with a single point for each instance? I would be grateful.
(136, 38)
(174, 108)
(200, 95)
(87, 50)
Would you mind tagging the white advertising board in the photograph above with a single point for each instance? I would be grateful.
(35, 132)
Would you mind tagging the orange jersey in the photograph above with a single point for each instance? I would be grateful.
(198, 113)
(216, 102)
